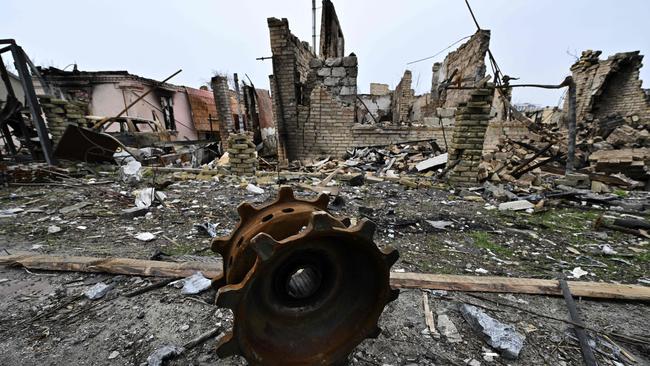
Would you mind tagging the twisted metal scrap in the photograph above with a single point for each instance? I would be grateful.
(305, 288)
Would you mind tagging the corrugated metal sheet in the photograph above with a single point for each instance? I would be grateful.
(203, 106)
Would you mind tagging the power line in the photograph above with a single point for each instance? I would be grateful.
(441, 51)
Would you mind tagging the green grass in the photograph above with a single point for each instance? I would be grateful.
(643, 257)
(621, 193)
(484, 240)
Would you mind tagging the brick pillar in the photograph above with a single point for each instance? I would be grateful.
(467, 141)
(222, 100)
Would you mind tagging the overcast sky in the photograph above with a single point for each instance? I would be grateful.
(531, 39)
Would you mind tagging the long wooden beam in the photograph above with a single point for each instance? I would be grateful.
(139, 267)
(518, 285)
(125, 266)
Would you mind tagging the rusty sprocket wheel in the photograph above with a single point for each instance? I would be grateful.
(305, 288)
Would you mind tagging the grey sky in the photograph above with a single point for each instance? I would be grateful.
(531, 39)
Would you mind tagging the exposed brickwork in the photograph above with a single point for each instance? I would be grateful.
(243, 157)
(222, 99)
(403, 97)
(379, 89)
(469, 60)
(326, 125)
(368, 135)
(60, 113)
(609, 86)
(466, 146)
(332, 42)
(290, 71)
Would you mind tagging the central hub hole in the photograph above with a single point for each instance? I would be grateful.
(303, 282)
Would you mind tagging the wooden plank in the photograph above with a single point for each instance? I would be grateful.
(126, 266)
(518, 285)
(138, 267)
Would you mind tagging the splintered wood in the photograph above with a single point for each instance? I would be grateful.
(138, 267)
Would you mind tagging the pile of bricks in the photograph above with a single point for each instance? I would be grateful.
(60, 113)
(466, 146)
(243, 157)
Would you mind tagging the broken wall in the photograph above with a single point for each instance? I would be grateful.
(606, 87)
(403, 97)
(469, 61)
(313, 98)
(332, 42)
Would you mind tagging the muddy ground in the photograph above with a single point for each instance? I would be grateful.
(44, 319)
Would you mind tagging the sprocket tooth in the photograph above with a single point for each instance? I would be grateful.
(227, 345)
(285, 194)
(394, 294)
(220, 245)
(391, 255)
(322, 221)
(245, 211)
(263, 245)
(228, 296)
(366, 229)
(219, 281)
(322, 201)
(374, 333)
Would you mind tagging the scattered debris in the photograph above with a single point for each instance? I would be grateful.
(501, 336)
(98, 291)
(193, 285)
(53, 229)
(447, 328)
(516, 206)
(145, 236)
(163, 353)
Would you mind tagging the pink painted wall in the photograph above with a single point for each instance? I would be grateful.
(109, 99)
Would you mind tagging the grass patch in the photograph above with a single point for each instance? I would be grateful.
(621, 193)
(643, 257)
(484, 240)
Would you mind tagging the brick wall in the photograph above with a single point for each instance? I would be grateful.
(290, 70)
(604, 87)
(466, 148)
(368, 135)
(222, 99)
(514, 130)
(403, 97)
(469, 60)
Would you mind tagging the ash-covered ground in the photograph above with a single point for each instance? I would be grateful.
(46, 320)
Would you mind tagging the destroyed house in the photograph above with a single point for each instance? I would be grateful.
(106, 93)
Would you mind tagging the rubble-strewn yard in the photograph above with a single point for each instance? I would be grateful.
(47, 320)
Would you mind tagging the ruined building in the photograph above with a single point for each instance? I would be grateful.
(318, 110)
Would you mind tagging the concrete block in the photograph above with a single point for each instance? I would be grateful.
(349, 61)
(325, 71)
(348, 90)
(315, 63)
(331, 81)
(338, 72)
(333, 62)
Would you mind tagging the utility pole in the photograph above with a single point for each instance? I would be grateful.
(313, 25)
(571, 146)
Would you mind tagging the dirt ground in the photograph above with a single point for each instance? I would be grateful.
(46, 320)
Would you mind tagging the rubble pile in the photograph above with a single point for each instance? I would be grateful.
(384, 162)
(242, 154)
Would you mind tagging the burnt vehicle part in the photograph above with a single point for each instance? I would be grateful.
(305, 287)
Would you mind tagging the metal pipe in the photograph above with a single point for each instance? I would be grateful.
(313, 24)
